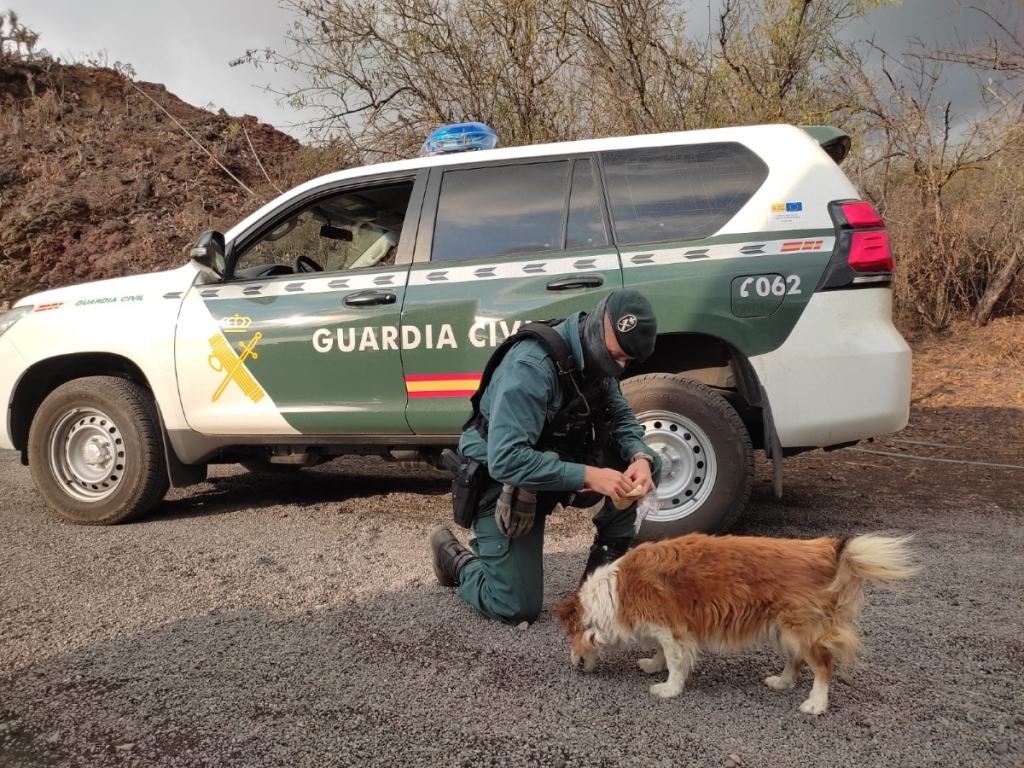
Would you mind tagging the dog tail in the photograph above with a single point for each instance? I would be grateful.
(875, 558)
(871, 557)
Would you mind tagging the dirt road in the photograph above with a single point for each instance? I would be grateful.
(255, 621)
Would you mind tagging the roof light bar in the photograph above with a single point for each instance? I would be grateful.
(460, 137)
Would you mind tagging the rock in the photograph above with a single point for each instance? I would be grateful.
(114, 225)
(126, 747)
(1002, 748)
(523, 626)
(143, 189)
(736, 759)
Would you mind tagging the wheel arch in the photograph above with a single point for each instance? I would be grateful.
(715, 362)
(41, 378)
(44, 376)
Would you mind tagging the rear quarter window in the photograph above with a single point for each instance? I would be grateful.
(660, 194)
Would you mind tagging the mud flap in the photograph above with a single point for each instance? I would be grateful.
(772, 446)
(180, 474)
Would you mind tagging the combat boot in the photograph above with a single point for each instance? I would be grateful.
(604, 550)
(450, 557)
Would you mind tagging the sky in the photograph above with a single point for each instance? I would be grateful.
(186, 44)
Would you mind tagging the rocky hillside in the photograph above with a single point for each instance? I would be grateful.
(97, 181)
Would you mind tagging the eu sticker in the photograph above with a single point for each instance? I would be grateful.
(786, 213)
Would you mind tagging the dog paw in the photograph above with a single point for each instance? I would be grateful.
(779, 683)
(665, 690)
(650, 666)
(812, 707)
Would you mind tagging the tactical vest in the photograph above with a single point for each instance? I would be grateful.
(580, 429)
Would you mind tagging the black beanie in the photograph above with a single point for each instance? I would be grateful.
(632, 318)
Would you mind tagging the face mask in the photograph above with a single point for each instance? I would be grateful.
(597, 360)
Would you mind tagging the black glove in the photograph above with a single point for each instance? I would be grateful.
(515, 511)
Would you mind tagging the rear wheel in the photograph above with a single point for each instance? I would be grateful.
(706, 454)
(96, 452)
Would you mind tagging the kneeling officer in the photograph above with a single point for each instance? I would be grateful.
(549, 426)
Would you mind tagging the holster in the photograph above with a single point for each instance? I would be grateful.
(470, 476)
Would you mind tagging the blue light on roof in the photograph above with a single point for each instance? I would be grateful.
(461, 137)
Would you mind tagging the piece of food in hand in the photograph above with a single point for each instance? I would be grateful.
(630, 497)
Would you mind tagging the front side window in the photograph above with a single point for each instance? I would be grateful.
(349, 230)
(659, 194)
(586, 226)
(498, 210)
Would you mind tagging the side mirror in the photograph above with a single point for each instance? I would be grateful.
(335, 233)
(208, 254)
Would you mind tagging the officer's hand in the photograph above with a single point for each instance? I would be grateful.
(639, 473)
(607, 482)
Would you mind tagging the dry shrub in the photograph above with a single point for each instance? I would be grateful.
(311, 162)
(951, 250)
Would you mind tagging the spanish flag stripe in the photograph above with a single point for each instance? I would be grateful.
(443, 377)
(441, 393)
(802, 245)
(441, 386)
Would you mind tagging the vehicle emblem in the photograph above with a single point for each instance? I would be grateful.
(225, 360)
(626, 323)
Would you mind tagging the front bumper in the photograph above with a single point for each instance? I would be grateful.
(12, 366)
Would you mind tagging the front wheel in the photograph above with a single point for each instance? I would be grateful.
(706, 455)
(96, 452)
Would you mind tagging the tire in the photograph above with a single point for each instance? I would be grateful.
(707, 458)
(96, 451)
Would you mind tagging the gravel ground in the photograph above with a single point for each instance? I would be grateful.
(268, 621)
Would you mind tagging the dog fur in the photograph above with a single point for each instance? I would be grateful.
(726, 593)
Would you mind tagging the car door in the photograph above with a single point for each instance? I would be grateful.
(279, 350)
(499, 243)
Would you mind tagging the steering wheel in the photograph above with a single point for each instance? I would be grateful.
(303, 263)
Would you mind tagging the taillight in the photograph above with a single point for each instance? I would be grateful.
(863, 256)
(869, 252)
(861, 215)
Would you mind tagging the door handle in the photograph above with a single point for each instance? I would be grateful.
(576, 281)
(370, 298)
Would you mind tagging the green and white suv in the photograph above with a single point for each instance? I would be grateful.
(354, 314)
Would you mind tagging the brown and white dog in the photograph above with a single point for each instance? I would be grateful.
(730, 592)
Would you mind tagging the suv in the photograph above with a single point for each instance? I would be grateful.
(355, 313)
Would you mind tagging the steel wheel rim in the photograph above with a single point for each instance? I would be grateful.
(689, 464)
(87, 454)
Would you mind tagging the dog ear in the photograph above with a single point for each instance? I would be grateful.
(569, 613)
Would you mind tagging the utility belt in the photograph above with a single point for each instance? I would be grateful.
(472, 482)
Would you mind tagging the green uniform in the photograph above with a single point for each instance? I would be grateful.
(506, 581)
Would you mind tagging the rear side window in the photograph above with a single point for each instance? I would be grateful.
(501, 210)
(659, 194)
